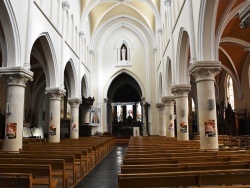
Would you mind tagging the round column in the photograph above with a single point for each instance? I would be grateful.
(74, 121)
(105, 114)
(169, 108)
(15, 109)
(181, 97)
(54, 115)
(162, 119)
(204, 73)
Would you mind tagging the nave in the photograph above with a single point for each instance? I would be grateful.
(104, 175)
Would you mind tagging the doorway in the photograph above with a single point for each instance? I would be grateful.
(124, 109)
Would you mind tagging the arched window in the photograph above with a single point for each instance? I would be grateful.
(230, 91)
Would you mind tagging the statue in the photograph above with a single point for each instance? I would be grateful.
(123, 53)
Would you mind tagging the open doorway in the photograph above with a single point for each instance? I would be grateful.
(125, 106)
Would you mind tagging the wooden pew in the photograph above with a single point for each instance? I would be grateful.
(57, 165)
(42, 174)
(190, 159)
(148, 154)
(1, 144)
(190, 178)
(156, 168)
(78, 156)
(20, 180)
(70, 162)
(85, 162)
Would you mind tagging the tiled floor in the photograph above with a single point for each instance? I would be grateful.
(104, 175)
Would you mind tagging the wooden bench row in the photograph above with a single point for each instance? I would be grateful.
(20, 180)
(68, 161)
(189, 178)
(153, 163)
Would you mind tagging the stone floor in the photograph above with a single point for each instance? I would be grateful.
(104, 175)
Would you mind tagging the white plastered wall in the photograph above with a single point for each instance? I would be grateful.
(104, 66)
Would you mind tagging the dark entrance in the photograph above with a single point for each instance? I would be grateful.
(124, 97)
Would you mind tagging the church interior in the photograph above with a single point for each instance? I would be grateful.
(159, 88)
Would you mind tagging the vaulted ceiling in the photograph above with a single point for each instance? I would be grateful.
(103, 11)
(234, 41)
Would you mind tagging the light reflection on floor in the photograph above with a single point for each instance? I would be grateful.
(104, 175)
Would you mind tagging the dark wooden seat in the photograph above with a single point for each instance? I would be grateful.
(20, 180)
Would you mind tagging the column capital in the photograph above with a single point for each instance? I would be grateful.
(167, 3)
(181, 90)
(160, 106)
(91, 52)
(204, 70)
(16, 75)
(55, 93)
(106, 100)
(75, 102)
(159, 31)
(168, 100)
(65, 5)
(81, 34)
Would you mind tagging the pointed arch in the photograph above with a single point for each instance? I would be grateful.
(206, 30)
(168, 77)
(182, 57)
(160, 88)
(84, 86)
(10, 33)
(70, 79)
(49, 66)
(112, 78)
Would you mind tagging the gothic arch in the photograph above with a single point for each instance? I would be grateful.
(106, 88)
(47, 61)
(9, 33)
(206, 30)
(183, 56)
(84, 86)
(168, 77)
(70, 79)
(160, 88)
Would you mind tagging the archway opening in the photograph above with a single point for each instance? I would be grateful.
(124, 110)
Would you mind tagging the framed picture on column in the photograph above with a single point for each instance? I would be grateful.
(95, 116)
(210, 128)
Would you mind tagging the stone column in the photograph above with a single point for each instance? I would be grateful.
(74, 121)
(204, 73)
(16, 79)
(56, 95)
(162, 118)
(181, 97)
(105, 114)
(169, 107)
(86, 105)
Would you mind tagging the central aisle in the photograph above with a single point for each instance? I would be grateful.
(104, 175)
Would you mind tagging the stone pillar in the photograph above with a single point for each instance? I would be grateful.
(56, 95)
(162, 118)
(169, 107)
(105, 114)
(204, 73)
(181, 97)
(74, 121)
(145, 114)
(86, 105)
(16, 79)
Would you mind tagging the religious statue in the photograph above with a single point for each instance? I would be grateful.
(123, 53)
